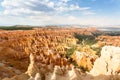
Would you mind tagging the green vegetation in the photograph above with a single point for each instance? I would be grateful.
(15, 28)
(70, 51)
(113, 33)
(88, 40)
(98, 50)
(85, 39)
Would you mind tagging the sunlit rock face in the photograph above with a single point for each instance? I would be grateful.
(64, 74)
(32, 68)
(58, 73)
(84, 59)
(108, 63)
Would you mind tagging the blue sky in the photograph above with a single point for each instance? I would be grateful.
(50, 12)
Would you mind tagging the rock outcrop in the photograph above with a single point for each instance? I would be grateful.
(108, 63)
(84, 59)
(107, 67)
(32, 68)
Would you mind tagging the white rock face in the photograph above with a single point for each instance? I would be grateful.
(37, 77)
(108, 63)
(32, 68)
(59, 74)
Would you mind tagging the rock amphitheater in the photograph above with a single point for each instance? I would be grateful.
(56, 54)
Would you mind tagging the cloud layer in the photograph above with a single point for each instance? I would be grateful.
(38, 7)
(44, 12)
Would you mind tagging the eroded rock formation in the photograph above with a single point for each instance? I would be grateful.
(50, 59)
(106, 67)
(109, 62)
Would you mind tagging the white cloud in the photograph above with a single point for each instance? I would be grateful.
(86, 20)
(21, 7)
(56, 19)
(51, 4)
(41, 12)
(65, 0)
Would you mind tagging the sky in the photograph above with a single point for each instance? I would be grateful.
(59, 12)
